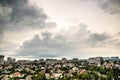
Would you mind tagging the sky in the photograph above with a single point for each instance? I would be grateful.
(32, 29)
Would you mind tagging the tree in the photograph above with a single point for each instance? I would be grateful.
(39, 77)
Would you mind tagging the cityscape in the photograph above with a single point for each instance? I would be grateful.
(93, 68)
(59, 39)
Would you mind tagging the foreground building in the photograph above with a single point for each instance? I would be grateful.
(95, 60)
(1, 59)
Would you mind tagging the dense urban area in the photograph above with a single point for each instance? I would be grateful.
(93, 68)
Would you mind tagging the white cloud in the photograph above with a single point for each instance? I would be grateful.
(23, 26)
(79, 43)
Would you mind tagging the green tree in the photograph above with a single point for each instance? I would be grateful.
(39, 77)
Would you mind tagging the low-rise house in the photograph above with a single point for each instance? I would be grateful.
(82, 71)
(58, 75)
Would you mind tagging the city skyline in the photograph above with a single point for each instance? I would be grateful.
(59, 28)
(93, 68)
(14, 59)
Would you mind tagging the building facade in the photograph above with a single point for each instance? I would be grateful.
(1, 59)
(95, 60)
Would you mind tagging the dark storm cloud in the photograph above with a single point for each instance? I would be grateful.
(19, 15)
(16, 15)
(98, 39)
(85, 37)
(111, 6)
(13, 2)
(21, 11)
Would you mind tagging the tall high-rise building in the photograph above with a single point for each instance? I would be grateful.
(1, 59)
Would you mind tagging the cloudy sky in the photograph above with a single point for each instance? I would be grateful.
(59, 28)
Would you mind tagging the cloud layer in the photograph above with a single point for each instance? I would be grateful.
(20, 15)
(111, 6)
(49, 45)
